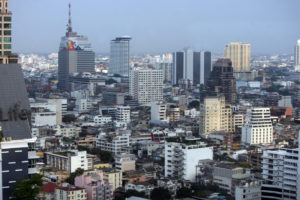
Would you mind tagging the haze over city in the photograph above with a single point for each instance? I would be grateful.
(159, 26)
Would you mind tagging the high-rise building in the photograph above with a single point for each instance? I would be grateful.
(146, 85)
(258, 128)
(191, 67)
(222, 81)
(16, 161)
(297, 56)
(120, 56)
(181, 159)
(215, 115)
(75, 55)
(239, 54)
(281, 169)
(5, 35)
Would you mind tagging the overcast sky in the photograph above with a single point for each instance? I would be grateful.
(271, 26)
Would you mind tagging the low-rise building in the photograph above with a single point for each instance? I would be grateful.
(114, 142)
(248, 191)
(69, 192)
(125, 162)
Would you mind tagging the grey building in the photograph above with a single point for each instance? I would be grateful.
(119, 56)
(113, 98)
(191, 67)
(75, 56)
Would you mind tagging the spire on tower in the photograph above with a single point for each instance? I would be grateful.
(70, 20)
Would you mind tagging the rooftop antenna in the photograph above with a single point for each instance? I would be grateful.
(70, 20)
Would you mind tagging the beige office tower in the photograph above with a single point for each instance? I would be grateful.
(6, 57)
(215, 115)
(239, 54)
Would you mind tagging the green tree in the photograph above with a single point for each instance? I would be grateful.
(183, 192)
(69, 118)
(27, 189)
(194, 104)
(73, 175)
(160, 194)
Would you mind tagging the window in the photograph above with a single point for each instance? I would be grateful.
(7, 32)
(7, 46)
(7, 19)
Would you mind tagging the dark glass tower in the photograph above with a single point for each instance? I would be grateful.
(222, 81)
(75, 56)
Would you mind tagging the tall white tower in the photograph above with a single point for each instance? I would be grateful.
(297, 56)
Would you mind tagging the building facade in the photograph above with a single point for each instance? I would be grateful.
(258, 128)
(222, 81)
(191, 67)
(239, 54)
(181, 159)
(146, 86)
(215, 115)
(297, 56)
(120, 56)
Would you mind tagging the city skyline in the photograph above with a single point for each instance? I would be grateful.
(269, 26)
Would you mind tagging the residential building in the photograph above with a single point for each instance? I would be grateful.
(222, 81)
(238, 120)
(67, 130)
(123, 114)
(95, 186)
(44, 114)
(125, 162)
(280, 174)
(159, 112)
(215, 115)
(69, 192)
(258, 128)
(67, 161)
(191, 68)
(115, 143)
(285, 101)
(75, 56)
(120, 56)
(112, 177)
(297, 56)
(102, 120)
(239, 54)
(248, 191)
(181, 159)
(173, 113)
(144, 187)
(223, 176)
(146, 86)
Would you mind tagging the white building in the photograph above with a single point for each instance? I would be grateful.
(181, 159)
(67, 161)
(43, 114)
(125, 162)
(258, 128)
(70, 192)
(119, 56)
(102, 120)
(159, 112)
(281, 169)
(146, 85)
(123, 114)
(83, 105)
(297, 56)
(115, 143)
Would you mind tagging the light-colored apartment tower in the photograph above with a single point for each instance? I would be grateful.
(119, 56)
(181, 159)
(215, 115)
(281, 169)
(146, 85)
(159, 111)
(239, 54)
(297, 56)
(257, 128)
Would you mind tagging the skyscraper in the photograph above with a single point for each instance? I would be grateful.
(297, 56)
(15, 123)
(191, 67)
(239, 54)
(75, 55)
(119, 56)
(222, 81)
